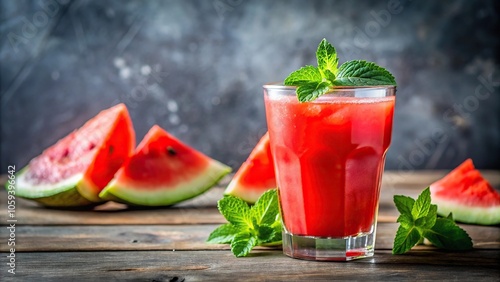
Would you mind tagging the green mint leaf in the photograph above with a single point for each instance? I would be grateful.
(422, 205)
(431, 217)
(266, 209)
(265, 234)
(329, 76)
(277, 235)
(406, 220)
(274, 238)
(235, 210)
(405, 240)
(248, 227)
(223, 234)
(313, 82)
(363, 73)
(327, 59)
(419, 219)
(266, 217)
(404, 204)
(303, 75)
(243, 243)
(447, 235)
(419, 222)
(312, 90)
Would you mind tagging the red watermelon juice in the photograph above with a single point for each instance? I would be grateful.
(329, 157)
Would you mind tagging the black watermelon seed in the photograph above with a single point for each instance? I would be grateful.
(171, 151)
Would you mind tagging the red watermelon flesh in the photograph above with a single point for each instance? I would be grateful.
(163, 171)
(467, 195)
(256, 174)
(73, 171)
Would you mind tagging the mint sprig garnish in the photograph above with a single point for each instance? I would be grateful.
(327, 60)
(418, 220)
(313, 82)
(363, 73)
(247, 226)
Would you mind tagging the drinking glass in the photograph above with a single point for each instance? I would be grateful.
(329, 157)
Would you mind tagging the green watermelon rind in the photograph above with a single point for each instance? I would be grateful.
(166, 195)
(62, 194)
(249, 194)
(68, 199)
(472, 215)
(84, 187)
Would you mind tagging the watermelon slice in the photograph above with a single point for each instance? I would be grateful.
(163, 171)
(256, 174)
(73, 171)
(466, 194)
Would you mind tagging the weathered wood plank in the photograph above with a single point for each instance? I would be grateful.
(417, 265)
(139, 244)
(175, 215)
(176, 237)
(201, 210)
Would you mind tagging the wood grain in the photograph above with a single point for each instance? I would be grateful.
(417, 265)
(177, 237)
(200, 209)
(116, 242)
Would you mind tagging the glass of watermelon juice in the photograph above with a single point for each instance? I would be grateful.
(329, 157)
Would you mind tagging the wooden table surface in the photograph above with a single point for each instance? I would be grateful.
(113, 242)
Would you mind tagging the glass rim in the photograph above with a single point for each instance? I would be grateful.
(280, 86)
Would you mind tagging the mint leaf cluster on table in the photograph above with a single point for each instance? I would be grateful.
(418, 220)
(248, 226)
(313, 82)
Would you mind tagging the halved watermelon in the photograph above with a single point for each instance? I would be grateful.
(466, 194)
(256, 174)
(163, 171)
(73, 171)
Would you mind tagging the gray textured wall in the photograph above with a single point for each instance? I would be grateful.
(196, 69)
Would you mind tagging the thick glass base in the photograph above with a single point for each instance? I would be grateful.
(329, 249)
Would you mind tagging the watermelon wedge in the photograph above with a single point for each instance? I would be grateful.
(465, 193)
(163, 171)
(256, 174)
(73, 171)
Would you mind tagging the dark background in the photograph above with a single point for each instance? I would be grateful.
(196, 68)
